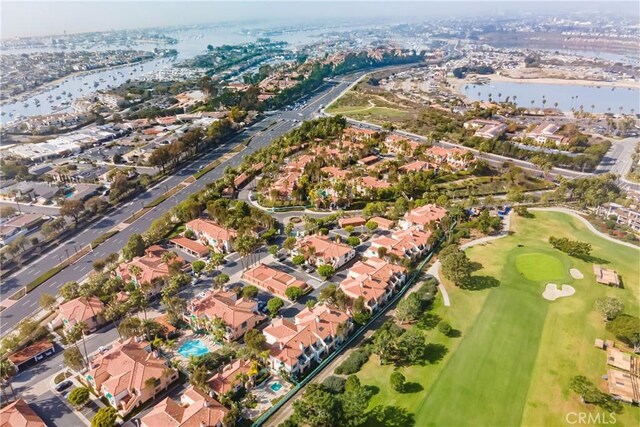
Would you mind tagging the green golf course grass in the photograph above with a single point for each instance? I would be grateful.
(517, 351)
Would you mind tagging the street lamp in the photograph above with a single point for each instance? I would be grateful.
(67, 252)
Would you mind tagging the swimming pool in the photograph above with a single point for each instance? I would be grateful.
(275, 386)
(193, 348)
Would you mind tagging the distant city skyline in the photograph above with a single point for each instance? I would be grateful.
(42, 18)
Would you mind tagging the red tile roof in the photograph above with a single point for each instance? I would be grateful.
(19, 414)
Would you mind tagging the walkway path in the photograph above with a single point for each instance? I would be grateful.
(434, 270)
(588, 224)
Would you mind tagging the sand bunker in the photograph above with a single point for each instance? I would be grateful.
(576, 274)
(552, 293)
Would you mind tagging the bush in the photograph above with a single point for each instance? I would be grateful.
(79, 397)
(445, 328)
(354, 362)
(105, 417)
(61, 377)
(334, 384)
(397, 381)
(298, 260)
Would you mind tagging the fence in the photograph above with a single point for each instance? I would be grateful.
(264, 417)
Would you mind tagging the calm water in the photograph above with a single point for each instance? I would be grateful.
(603, 99)
(190, 43)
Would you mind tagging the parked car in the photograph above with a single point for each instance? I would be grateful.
(63, 385)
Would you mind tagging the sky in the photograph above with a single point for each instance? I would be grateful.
(36, 18)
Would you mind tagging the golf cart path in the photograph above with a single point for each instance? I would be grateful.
(434, 270)
(588, 224)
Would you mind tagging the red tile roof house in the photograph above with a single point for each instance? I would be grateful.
(238, 314)
(325, 251)
(126, 374)
(367, 183)
(191, 247)
(422, 217)
(19, 414)
(82, 310)
(153, 270)
(375, 280)
(412, 243)
(226, 379)
(214, 235)
(417, 166)
(383, 223)
(313, 334)
(195, 409)
(353, 221)
(454, 157)
(272, 280)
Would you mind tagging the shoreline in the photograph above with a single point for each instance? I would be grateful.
(457, 84)
(53, 83)
(566, 82)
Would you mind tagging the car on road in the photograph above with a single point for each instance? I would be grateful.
(309, 268)
(63, 386)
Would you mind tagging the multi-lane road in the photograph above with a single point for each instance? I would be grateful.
(261, 134)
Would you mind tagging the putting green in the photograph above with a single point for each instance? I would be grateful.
(540, 267)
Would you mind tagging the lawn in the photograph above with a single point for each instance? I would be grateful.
(517, 351)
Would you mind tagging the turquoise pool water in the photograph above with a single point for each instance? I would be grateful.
(193, 348)
(275, 386)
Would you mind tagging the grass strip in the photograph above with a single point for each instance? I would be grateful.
(100, 240)
(44, 277)
(165, 196)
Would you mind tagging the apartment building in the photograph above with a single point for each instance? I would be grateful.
(129, 375)
(324, 251)
(273, 280)
(373, 279)
(237, 314)
(422, 217)
(212, 234)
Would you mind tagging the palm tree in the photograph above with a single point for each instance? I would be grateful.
(112, 312)
(7, 370)
(74, 335)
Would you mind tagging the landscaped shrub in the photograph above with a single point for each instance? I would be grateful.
(334, 384)
(354, 362)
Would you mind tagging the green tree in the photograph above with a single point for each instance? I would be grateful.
(273, 249)
(250, 292)
(135, 247)
(361, 314)
(47, 301)
(198, 266)
(397, 381)
(105, 417)
(255, 340)
(73, 358)
(70, 290)
(73, 209)
(221, 279)
(289, 244)
(79, 397)
(385, 341)
(627, 329)
(274, 305)
(298, 260)
(293, 293)
(409, 309)
(444, 328)
(456, 266)
(353, 241)
(7, 371)
(317, 407)
(326, 271)
(371, 225)
(411, 347)
(609, 307)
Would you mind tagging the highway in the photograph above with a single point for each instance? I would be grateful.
(261, 134)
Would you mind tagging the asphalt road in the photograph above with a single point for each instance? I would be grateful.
(35, 383)
(261, 134)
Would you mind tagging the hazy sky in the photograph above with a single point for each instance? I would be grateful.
(23, 18)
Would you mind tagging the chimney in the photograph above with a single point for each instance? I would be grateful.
(281, 345)
(207, 404)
